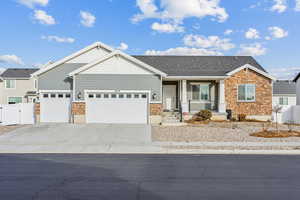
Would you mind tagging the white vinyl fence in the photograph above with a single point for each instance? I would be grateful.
(289, 114)
(12, 114)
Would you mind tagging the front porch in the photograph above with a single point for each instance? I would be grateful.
(190, 96)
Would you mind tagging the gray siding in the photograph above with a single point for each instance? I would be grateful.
(57, 78)
(118, 82)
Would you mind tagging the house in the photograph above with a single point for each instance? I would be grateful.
(297, 81)
(17, 86)
(284, 95)
(101, 85)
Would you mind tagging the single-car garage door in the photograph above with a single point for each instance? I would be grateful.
(117, 108)
(55, 107)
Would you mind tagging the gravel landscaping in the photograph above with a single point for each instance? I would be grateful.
(216, 132)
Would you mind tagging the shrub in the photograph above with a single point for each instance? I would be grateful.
(204, 115)
(242, 117)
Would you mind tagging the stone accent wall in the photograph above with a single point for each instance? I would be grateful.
(155, 109)
(37, 108)
(263, 103)
(78, 108)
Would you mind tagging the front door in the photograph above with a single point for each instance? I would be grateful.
(169, 94)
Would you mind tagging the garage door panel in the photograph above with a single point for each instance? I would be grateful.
(56, 108)
(117, 110)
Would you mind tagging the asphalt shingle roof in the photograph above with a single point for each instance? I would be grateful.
(18, 72)
(284, 87)
(198, 65)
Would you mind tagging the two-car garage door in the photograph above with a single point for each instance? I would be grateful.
(114, 108)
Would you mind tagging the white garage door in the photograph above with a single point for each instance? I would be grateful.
(55, 107)
(117, 108)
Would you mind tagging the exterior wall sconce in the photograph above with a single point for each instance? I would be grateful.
(79, 95)
(154, 96)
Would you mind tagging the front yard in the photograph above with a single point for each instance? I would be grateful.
(217, 132)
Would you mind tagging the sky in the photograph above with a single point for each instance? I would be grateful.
(34, 32)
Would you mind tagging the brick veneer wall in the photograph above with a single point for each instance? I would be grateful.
(263, 103)
(78, 108)
(37, 108)
(155, 109)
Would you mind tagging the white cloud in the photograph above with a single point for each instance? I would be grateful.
(268, 38)
(279, 6)
(284, 73)
(167, 28)
(297, 8)
(184, 51)
(177, 10)
(123, 46)
(210, 42)
(228, 32)
(87, 19)
(277, 32)
(252, 34)
(43, 18)
(252, 50)
(33, 3)
(58, 39)
(12, 59)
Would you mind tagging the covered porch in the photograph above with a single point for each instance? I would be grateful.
(190, 95)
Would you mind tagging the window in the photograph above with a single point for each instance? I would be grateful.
(14, 100)
(45, 95)
(68, 96)
(98, 96)
(201, 92)
(144, 96)
(91, 96)
(60, 96)
(283, 101)
(53, 95)
(246, 92)
(113, 96)
(10, 84)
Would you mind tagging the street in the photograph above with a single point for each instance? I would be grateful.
(112, 176)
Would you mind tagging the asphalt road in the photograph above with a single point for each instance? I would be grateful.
(101, 177)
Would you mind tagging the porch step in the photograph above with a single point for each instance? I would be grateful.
(171, 118)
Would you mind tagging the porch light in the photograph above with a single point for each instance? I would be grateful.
(79, 95)
(154, 96)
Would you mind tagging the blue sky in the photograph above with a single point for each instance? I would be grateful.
(36, 31)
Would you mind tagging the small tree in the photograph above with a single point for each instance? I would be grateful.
(277, 109)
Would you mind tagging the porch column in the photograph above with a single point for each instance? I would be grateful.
(222, 104)
(184, 100)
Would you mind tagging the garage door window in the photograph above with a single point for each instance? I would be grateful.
(45, 95)
(113, 96)
(121, 96)
(144, 96)
(53, 95)
(60, 96)
(91, 96)
(98, 96)
(128, 96)
(106, 96)
(68, 96)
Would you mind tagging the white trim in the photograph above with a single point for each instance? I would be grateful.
(95, 91)
(74, 89)
(15, 84)
(74, 55)
(14, 97)
(248, 66)
(195, 77)
(117, 52)
(55, 91)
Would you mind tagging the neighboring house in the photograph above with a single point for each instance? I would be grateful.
(17, 86)
(101, 85)
(297, 81)
(284, 93)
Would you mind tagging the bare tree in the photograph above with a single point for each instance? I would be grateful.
(277, 109)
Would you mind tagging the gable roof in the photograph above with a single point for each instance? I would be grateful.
(74, 55)
(248, 66)
(18, 72)
(117, 52)
(284, 87)
(199, 65)
(297, 77)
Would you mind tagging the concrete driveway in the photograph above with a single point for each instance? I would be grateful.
(74, 138)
